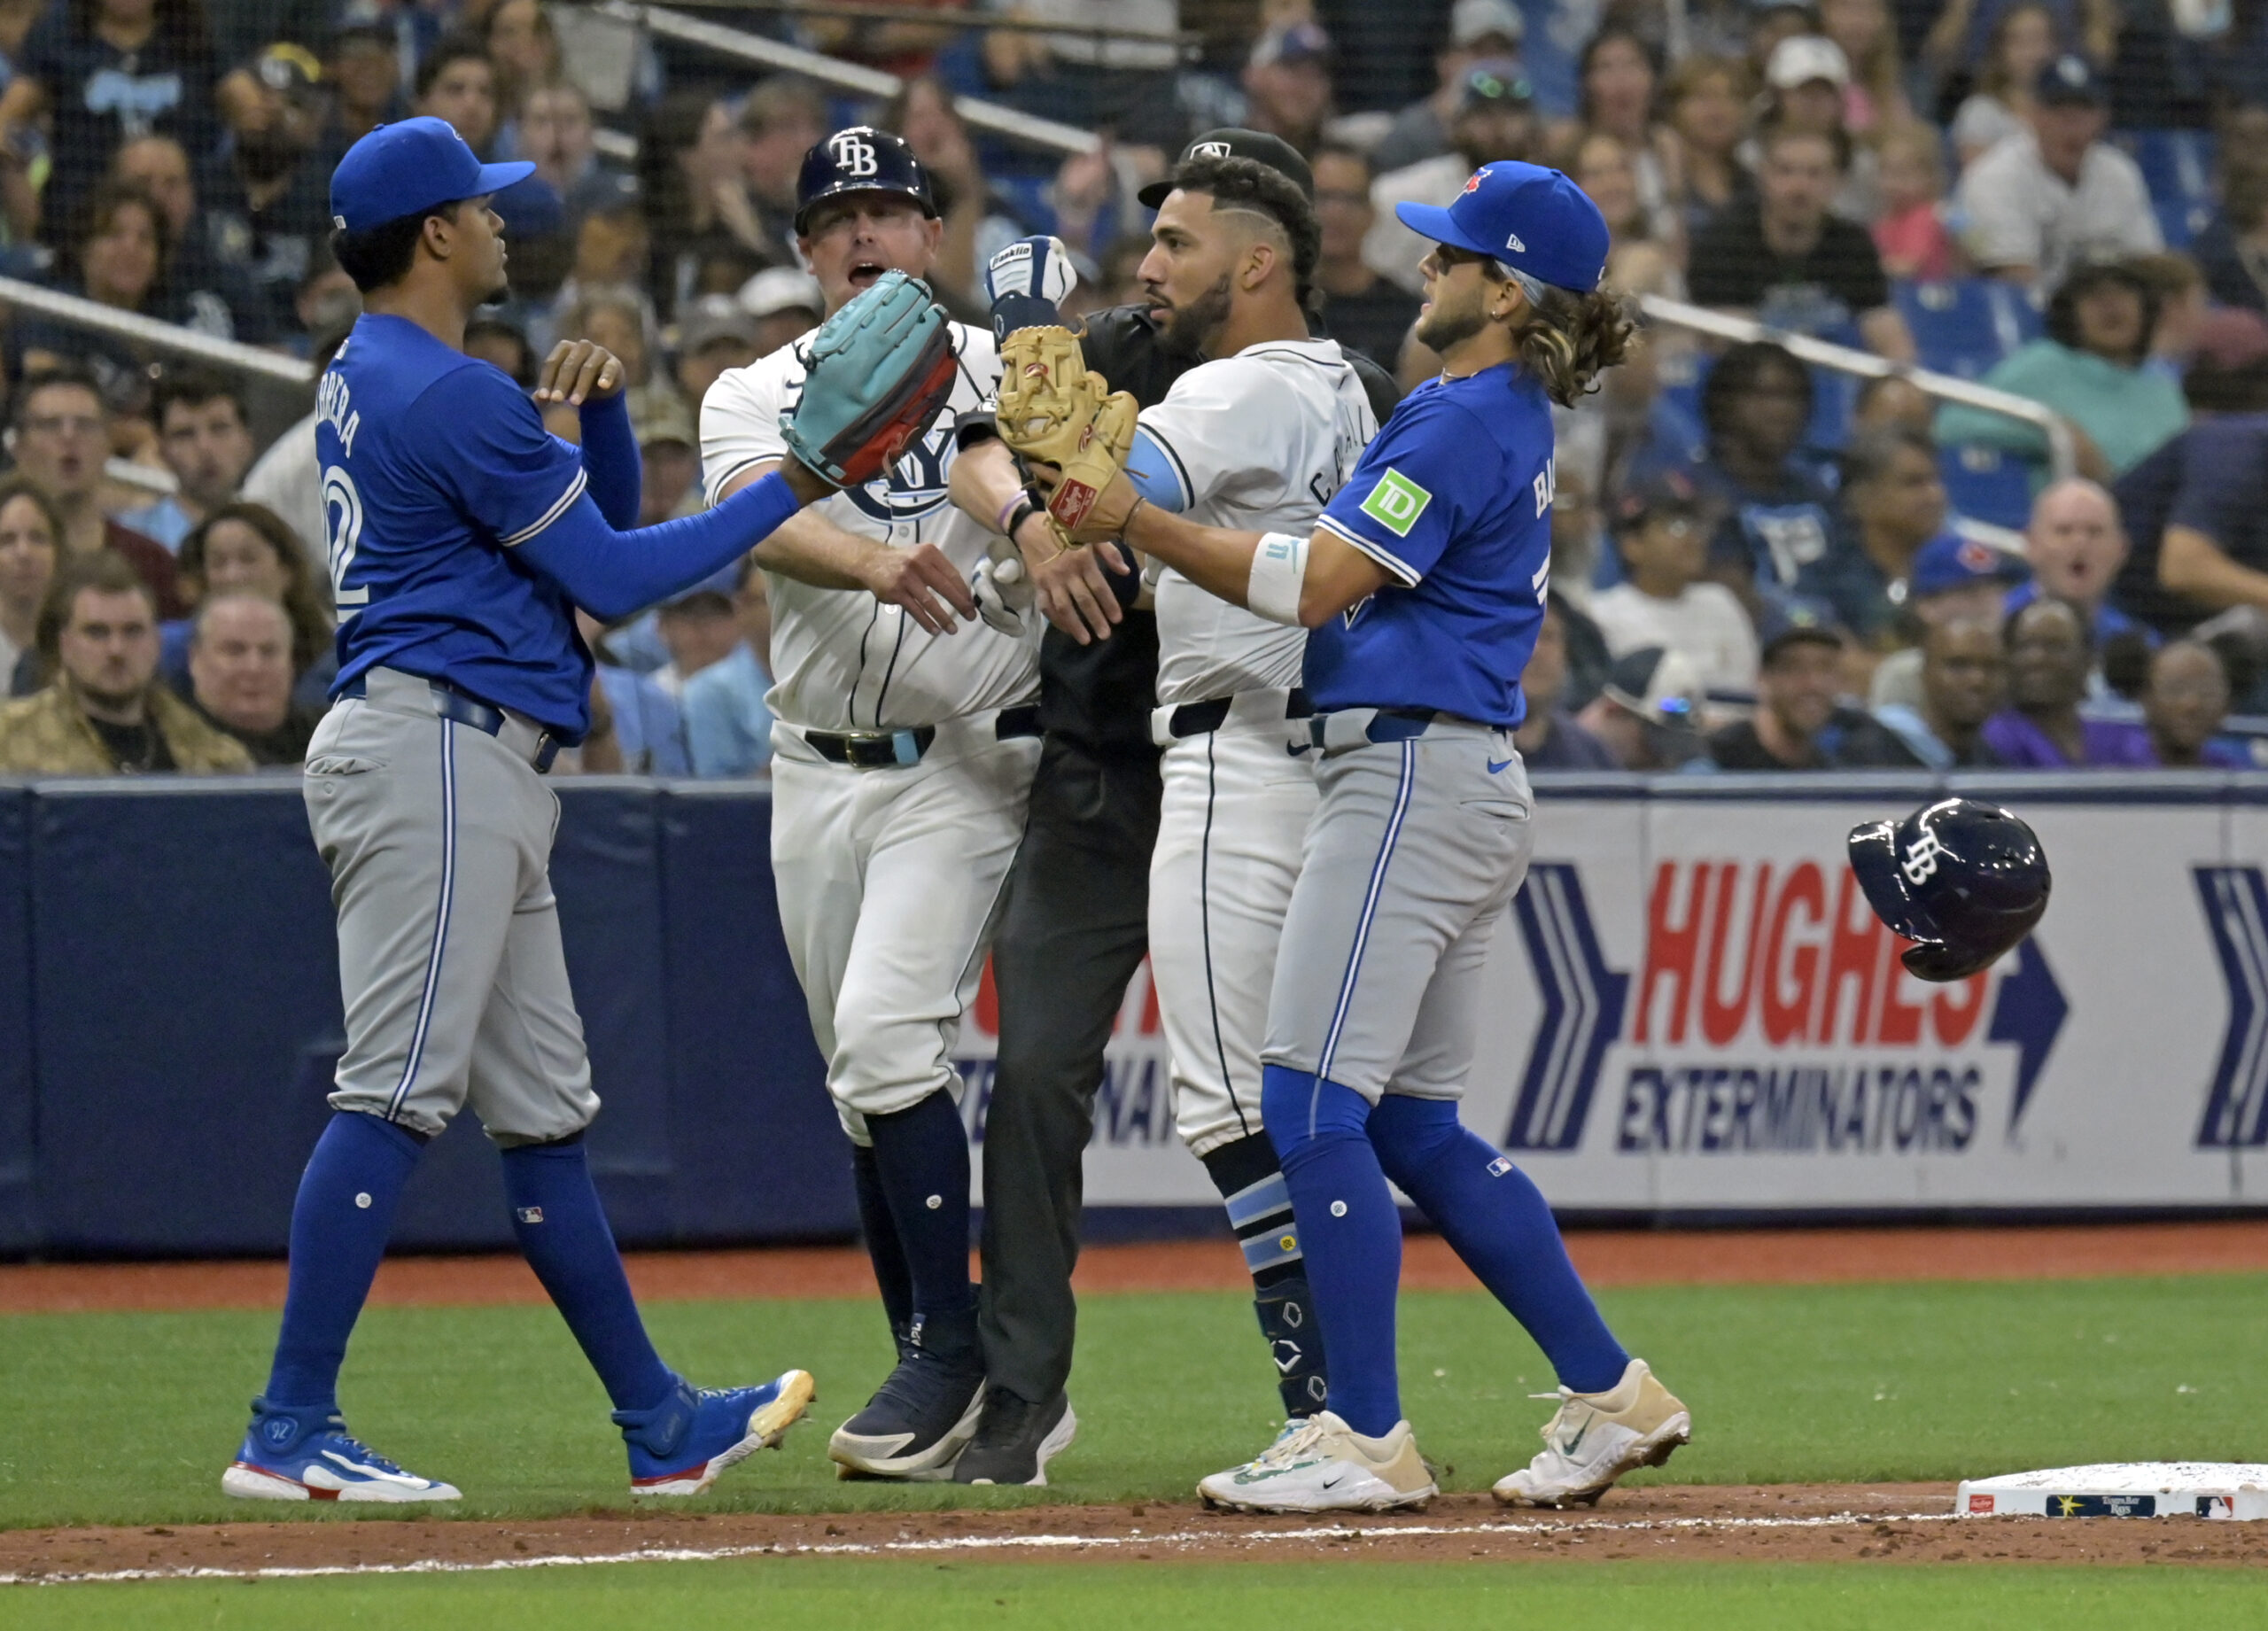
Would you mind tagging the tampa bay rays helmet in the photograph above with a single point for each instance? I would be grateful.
(861, 159)
(1963, 880)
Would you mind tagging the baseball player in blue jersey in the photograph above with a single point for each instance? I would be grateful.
(1422, 585)
(462, 538)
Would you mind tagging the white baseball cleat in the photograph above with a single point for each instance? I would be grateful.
(1597, 1438)
(1323, 1465)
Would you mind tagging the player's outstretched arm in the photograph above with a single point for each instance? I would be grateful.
(1290, 581)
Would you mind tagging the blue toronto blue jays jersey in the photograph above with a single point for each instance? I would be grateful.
(435, 468)
(1454, 499)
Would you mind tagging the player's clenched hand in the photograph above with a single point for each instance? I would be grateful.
(578, 371)
(923, 581)
(1075, 594)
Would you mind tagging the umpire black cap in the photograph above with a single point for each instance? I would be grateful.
(1233, 142)
(861, 159)
(1963, 880)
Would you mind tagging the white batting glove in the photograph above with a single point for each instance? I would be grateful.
(1026, 281)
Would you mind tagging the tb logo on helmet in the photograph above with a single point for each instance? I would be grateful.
(1920, 862)
(854, 155)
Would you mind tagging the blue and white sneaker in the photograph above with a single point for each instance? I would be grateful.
(680, 1446)
(304, 1454)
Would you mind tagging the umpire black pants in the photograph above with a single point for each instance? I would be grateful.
(1073, 931)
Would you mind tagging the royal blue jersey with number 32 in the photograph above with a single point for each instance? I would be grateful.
(435, 467)
(1453, 497)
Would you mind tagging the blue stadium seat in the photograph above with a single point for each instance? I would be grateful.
(1964, 326)
(2177, 165)
(1986, 484)
(2180, 220)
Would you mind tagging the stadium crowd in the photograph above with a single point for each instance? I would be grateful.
(1757, 565)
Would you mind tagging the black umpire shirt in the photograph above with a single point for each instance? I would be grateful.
(1101, 695)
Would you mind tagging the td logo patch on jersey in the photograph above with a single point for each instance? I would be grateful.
(1397, 502)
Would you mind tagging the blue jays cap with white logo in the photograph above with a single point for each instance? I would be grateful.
(400, 169)
(1533, 220)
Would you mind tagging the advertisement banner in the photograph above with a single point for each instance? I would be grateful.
(1692, 1009)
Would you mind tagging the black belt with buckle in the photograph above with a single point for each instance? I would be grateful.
(886, 750)
(1199, 719)
(465, 709)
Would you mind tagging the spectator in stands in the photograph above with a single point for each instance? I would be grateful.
(1287, 83)
(1615, 81)
(457, 82)
(978, 223)
(1479, 30)
(783, 119)
(61, 439)
(1708, 100)
(1961, 32)
(727, 727)
(2076, 547)
(1874, 98)
(557, 135)
(202, 291)
(786, 303)
(1647, 714)
(205, 443)
(504, 343)
(23, 154)
(697, 196)
(636, 727)
(2048, 198)
(2050, 653)
(2090, 369)
(669, 455)
(524, 49)
(1361, 310)
(1800, 676)
(1910, 232)
(1126, 84)
(1784, 258)
(2214, 550)
(2232, 250)
(287, 480)
(103, 713)
(699, 628)
(1893, 504)
(240, 677)
(99, 71)
(1955, 580)
(1495, 120)
(2184, 703)
(715, 333)
(1805, 81)
(247, 548)
(1661, 533)
(1960, 678)
(1778, 514)
(2183, 303)
(117, 260)
(31, 547)
(1601, 165)
(1891, 398)
(2022, 43)
(1549, 739)
(265, 198)
(364, 72)
(1771, 24)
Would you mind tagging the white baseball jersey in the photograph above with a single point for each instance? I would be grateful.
(1259, 442)
(844, 661)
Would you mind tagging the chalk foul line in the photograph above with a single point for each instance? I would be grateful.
(985, 1542)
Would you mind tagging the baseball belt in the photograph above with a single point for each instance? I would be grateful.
(890, 750)
(1269, 705)
(1355, 727)
(522, 736)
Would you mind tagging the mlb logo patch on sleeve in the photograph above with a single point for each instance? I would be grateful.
(1397, 502)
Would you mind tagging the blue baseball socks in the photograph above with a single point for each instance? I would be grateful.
(339, 1224)
(1350, 1233)
(1251, 1182)
(564, 1234)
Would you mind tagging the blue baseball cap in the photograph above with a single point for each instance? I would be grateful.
(1533, 220)
(401, 168)
(1950, 561)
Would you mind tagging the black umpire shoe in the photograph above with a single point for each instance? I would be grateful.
(919, 1420)
(1015, 1439)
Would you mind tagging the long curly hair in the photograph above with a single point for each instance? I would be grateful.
(1569, 339)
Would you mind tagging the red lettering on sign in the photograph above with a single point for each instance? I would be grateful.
(1784, 1017)
(1672, 948)
(1954, 1019)
(1852, 953)
(1721, 1021)
(1900, 1023)
(984, 1012)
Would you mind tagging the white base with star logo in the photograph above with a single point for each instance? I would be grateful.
(2224, 1490)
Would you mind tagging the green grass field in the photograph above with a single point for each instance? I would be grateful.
(853, 1596)
(129, 1417)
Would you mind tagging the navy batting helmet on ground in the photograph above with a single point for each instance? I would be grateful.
(861, 159)
(1964, 881)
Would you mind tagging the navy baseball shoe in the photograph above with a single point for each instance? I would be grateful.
(922, 1418)
(304, 1454)
(680, 1446)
